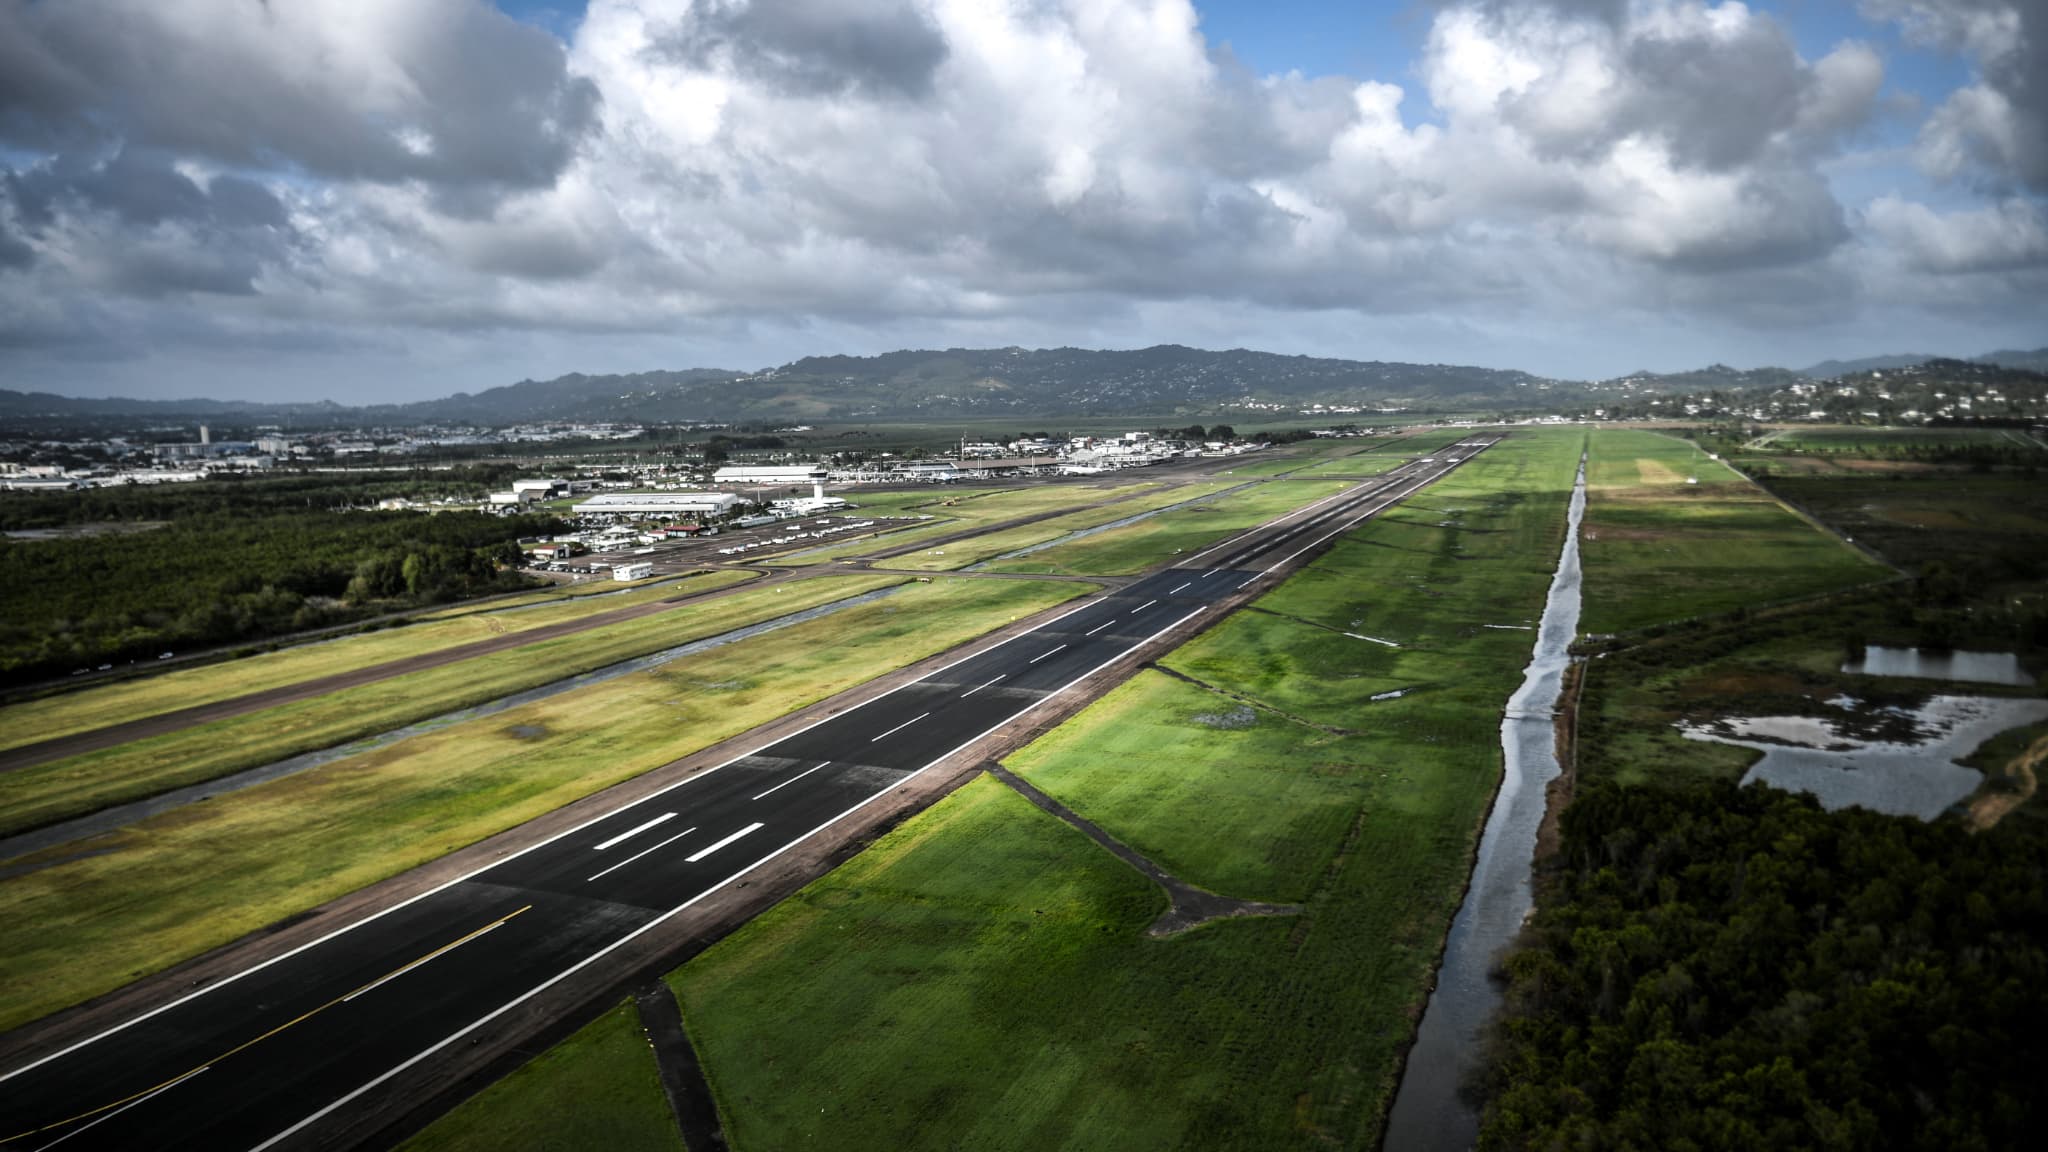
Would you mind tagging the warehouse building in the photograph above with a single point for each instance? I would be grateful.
(774, 476)
(664, 504)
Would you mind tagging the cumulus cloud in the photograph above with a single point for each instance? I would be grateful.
(1995, 128)
(450, 92)
(968, 166)
(2002, 237)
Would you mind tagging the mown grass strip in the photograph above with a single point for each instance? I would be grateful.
(102, 914)
(92, 708)
(46, 793)
(1177, 532)
(958, 509)
(597, 1089)
(981, 977)
(961, 553)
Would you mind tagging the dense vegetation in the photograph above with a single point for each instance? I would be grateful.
(212, 577)
(1722, 967)
(1734, 968)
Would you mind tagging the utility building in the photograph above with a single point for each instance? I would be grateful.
(774, 476)
(664, 504)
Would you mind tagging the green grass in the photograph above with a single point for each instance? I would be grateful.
(1953, 518)
(93, 708)
(1181, 532)
(1659, 548)
(961, 553)
(61, 789)
(175, 885)
(981, 976)
(1829, 438)
(597, 1089)
(957, 509)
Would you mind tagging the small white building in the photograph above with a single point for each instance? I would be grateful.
(639, 571)
(528, 490)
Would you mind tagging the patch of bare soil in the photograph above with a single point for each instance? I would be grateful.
(1989, 807)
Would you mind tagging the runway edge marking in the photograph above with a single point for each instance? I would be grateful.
(707, 893)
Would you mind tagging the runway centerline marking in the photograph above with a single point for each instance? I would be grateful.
(703, 852)
(142, 1099)
(643, 852)
(979, 687)
(1178, 589)
(1098, 627)
(138, 1097)
(1141, 607)
(441, 951)
(791, 780)
(899, 727)
(1043, 655)
(636, 933)
(622, 837)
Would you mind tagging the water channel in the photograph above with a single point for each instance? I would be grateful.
(1429, 1115)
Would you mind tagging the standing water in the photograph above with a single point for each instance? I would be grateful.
(1429, 1114)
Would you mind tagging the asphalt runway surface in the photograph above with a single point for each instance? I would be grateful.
(261, 1056)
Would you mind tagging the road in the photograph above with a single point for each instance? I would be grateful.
(261, 1056)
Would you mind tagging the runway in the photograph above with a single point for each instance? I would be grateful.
(262, 1056)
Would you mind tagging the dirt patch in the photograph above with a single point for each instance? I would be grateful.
(2020, 778)
(1241, 716)
(1605, 532)
(1557, 795)
(1657, 472)
(528, 732)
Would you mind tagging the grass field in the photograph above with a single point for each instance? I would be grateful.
(956, 509)
(123, 905)
(597, 1089)
(131, 700)
(1180, 532)
(981, 977)
(1825, 438)
(1692, 537)
(1952, 517)
(961, 553)
(1986, 531)
(45, 793)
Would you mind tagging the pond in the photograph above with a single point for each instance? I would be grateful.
(1918, 777)
(1934, 664)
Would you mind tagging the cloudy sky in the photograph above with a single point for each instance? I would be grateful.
(394, 199)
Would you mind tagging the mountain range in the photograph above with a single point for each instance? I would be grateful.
(1163, 381)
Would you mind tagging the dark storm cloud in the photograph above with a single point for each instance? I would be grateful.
(14, 251)
(816, 47)
(456, 94)
(144, 188)
(147, 229)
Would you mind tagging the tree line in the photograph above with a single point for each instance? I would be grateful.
(217, 577)
(1735, 968)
